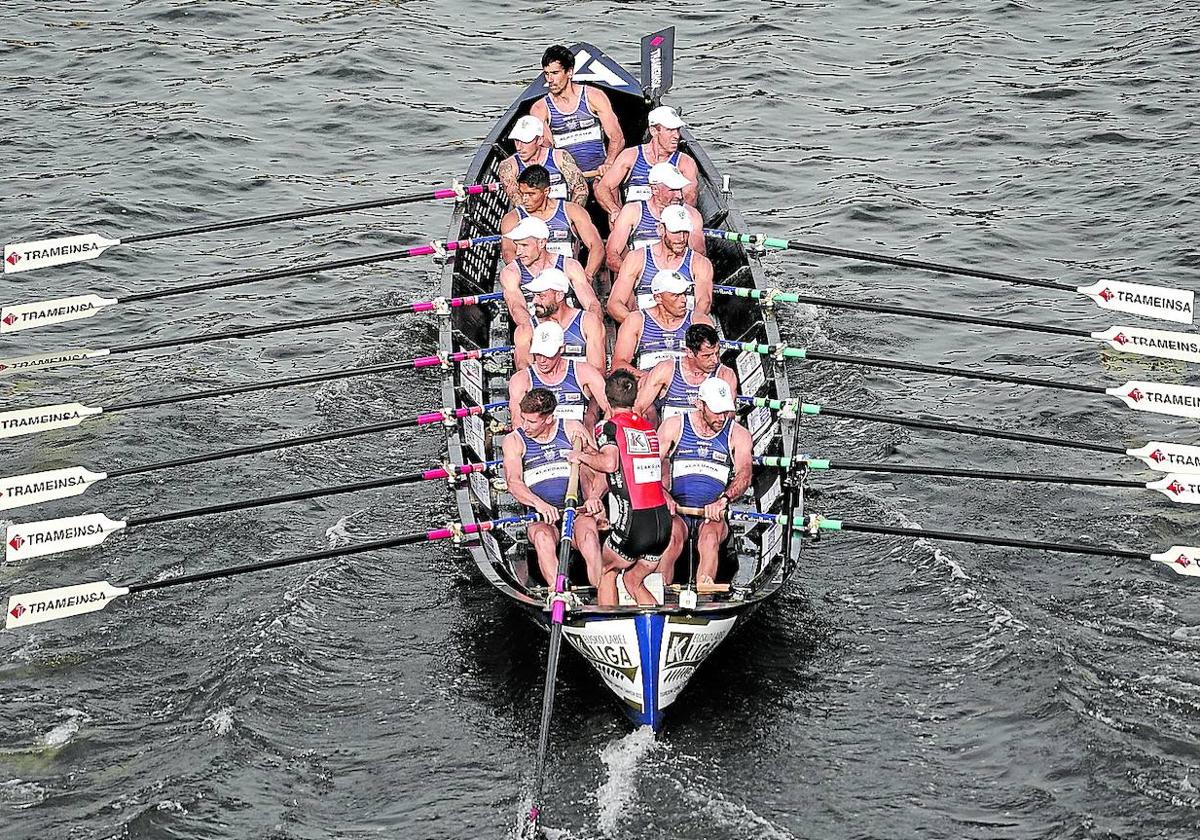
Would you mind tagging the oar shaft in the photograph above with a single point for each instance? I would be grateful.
(992, 475)
(983, 539)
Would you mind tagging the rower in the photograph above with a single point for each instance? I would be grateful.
(636, 225)
(537, 471)
(579, 117)
(566, 180)
(568, 223)
(671, 385)
(707, 463)
(583, 332)
(576, 385)
(648, 336)
(631, 170)
(672, 251)
(529, 238)
(627, 452)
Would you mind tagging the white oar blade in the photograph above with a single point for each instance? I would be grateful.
(54, 536)
(26, 316)
(17, 364)
(1159, 398)
(28, 421)
(1163, 344)
(35, 488)
(1178, 487)
(1139, 299)
(1184, 559)
(1168, 457)
(27, 256)
(63, 602)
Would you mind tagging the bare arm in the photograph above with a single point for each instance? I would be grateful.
(510, 284)
(577, 186)
(652, 385)
(702, 283)
(593, 335)
(726, 373)
(696, 237)
(506, 172)
(743, 465)
(628, 337)
(602, 108)
(582, 287)
(522, 338)
(593, 381)
(508, 250)
(668, 436)
(687, 167)
(585, 229)
(618, 235)
(621, 295)
(540, 111)
(607, 189)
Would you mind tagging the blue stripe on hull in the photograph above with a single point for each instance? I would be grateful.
(650, 635)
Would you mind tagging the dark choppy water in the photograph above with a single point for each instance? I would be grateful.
(904, 690)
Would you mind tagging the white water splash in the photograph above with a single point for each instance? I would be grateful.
(63, 733)
(220, 721)
(619, 791)
(727, 818)
(337, 534)
(19, 794)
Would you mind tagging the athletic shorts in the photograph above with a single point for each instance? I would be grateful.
(641, 534)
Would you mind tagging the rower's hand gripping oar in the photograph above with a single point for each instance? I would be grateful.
(43, 253)
(1132, 298)
(558, 611)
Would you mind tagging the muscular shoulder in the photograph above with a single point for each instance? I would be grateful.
(596, 97)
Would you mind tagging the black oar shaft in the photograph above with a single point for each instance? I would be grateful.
(994, 475)
(981, 539)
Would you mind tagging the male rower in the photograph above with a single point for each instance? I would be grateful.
(537, 470)
(627, 452)
(707, 463)
(631, 170)
(636, 225)
(566, 179)
(671, 386)
(569, 224)
(671, 251)
(583, 332)
(530, 237)
(578, 117)
(576, 385)
(648, 336)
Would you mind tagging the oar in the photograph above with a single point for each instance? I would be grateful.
(1153, 397)
(1184, 559)
(558, 611)
(24, 541)
(35, 488)
(1132, 298)
(27, 421)
(27, 256)
(66, 601)
(1163, 344)
(25, 316)
(1158, 455)
(1178, 487)
(66, 357)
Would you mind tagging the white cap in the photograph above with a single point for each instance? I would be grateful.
(666, 117)
(547, 339)
(669, 280)
(665, 173)
(715, 393)
(530, 226)
(551, 278)
(527, 129)
(676, 218)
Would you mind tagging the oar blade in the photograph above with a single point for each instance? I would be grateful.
(27, 256)
(24, 541)
(1183, 559)
(1168, 457)
(26, 316)
(63, 602)
(19, 491)
(28, 421)
(1162, 344)
(1160, 302)
(21, 364)
(1159, 398)
(1179, 488)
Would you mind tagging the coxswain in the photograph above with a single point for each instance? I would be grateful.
(578, 117)
(576, 385)
(636, 225)
(566, 179)
(583, 332)
(631, 170)
(627, 452)
(568, 223)
(707, 463)
(537, 471)
(672, 251)
(530, 237)
(648, 336)
(671, 386)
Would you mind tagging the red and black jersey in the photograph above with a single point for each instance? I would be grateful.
(638, 481)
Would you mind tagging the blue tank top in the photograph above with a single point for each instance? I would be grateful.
(562, 236)
(558, 183)
(637, 183)
(527, 275)
(700, 466)
(579, 133)
(658, 344)
(574, 342)
(571, 400)
(680, 396)
(645, 232)
(545, 468)
(642, 292)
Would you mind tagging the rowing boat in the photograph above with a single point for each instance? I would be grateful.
(645, 656)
